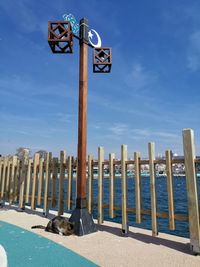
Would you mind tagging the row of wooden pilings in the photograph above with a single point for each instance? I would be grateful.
(41, 182)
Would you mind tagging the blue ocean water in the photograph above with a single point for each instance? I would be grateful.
(180, 201)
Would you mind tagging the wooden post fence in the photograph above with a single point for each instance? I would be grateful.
(191, 182)
(124, 189)
(90, 183)
(153, 189)
(137, 187)
(112, 185)
(100, 184)
(22, 180)
(41, 182)
(47, 180)
(168, 156)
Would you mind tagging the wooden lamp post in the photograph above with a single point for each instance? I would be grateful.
(60, 38)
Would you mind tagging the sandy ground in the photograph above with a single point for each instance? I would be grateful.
(108, 247)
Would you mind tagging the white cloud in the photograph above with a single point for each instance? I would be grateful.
(26, 90)
(119, 129)
(66, 118)
(153, 134)
(22, 14)
(127, 131)
(140, 78)
(166, 135)
(194, 51)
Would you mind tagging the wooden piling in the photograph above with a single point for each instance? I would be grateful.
(1, 172)
(90, 181)
(17, 181)
(12, 181)
(168, 155)
(22, 181)
(124, 189)
(153, 188)
(35, 178)
(5, 163)
(69, 187)
(47, 179)
(111, 185)
(191, 183)
(61, 182)
(54, 182)
(137, 186)
(40, 180)
(29, 180)
(8, 174)
(100, 184)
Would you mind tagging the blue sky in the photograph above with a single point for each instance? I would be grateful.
(151, 94)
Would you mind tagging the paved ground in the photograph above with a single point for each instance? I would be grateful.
(24, 248)
(109, 248)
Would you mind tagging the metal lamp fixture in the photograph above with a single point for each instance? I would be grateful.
(60, 39)
(102, 60)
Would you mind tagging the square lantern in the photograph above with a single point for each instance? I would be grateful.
(102, 60)
(60, 37)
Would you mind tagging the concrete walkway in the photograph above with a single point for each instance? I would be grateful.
(24, 248)
(108, 247)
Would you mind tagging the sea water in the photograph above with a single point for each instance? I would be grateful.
(180, 201)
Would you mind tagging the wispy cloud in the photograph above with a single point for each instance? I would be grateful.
(148, 133)
(22, 15)
(126, 130)
(26, 89)
(66, 118)
(6, 117)
(193, 59)
(140, 78)
(118, 129)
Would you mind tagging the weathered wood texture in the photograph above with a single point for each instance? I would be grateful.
(124, 189)
(22, 180)
(49, 183)
(40, 181)
(35, 174)
(29, 180)
(168, 156)
(137, 187)
(112, 185)
(5, 163)
(153, 189)
(47, 180)
(61, 182)
(191, 182)
(100, 184)
(54, 181)
(90, 183)
(69, 186)
(12, 179)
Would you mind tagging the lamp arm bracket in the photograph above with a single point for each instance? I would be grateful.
(87, 43)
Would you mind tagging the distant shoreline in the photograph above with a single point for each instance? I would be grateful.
(146, 175)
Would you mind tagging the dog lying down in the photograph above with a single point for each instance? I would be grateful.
(58, 225)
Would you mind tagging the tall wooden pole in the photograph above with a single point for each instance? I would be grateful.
(82, 117)
(82, 219)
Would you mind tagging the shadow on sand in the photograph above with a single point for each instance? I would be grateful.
(175, 245)
(178, 246)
